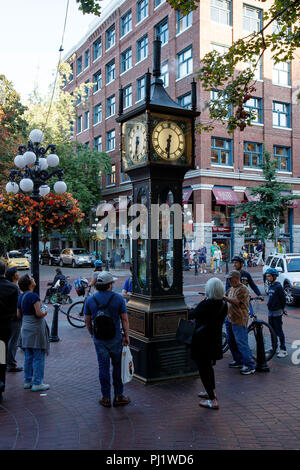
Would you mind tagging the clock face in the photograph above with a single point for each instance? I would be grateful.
(137, 142)
(168, 140)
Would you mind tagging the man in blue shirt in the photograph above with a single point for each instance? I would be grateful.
(109, 350)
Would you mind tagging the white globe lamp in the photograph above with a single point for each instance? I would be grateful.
(20, 161)
(52, 160)
(29, 157)
(26, 184)
(43, 164)
(60, 187)
(12, 187)
(36, 136)
(44, 190)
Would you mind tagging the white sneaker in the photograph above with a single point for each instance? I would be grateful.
(282, 353)
(40, 388)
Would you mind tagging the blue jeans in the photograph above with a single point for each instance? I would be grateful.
(106, 351)
(237, 337)
(217, 265)
(34, 366)
(276, 324)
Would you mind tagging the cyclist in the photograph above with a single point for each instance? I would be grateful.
(59, 276)
(246, 279)
(276, 304)
(98, 268)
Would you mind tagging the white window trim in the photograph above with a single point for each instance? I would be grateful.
(99, 57)
(284, 172)
(222, 166)
(283, 86)
(165, 44)
(139, 100)
(95, 92)
(221, 24)
(108, 151)
(142, 60)
(112, 115)
(141, 21)
(97, 123)
(181, 78)
(126, 34)
(127, 107)
(283, 128)
(125, 182)
(181, 32)
(110, 81)
(123, 73)
(80, 73)
(256, 124)
(155, 8)
(251, 168)
(110, 47)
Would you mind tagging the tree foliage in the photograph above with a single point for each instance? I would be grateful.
(271, 203)
(90, 6)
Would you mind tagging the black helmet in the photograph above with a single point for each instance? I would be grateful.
(237, 258)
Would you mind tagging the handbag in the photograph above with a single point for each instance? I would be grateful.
(127, 367)
(185, 331)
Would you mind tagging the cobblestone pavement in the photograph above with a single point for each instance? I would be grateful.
(260, 411)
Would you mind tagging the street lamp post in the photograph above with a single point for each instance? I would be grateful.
(33, 174)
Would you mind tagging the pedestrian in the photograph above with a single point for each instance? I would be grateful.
(195, 260)
(206, 347)
(279, 247)
(59, 276)
(244, 256)
(127, 287)
(108, 349)
(12, 275)
(259, 249)
(217, 259)
(34, 335)
(8, 305)
(202, 252)
(236, 324)
(212, 250)
(98, 269)
(276, 304)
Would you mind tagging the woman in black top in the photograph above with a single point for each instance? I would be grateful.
(206, 345)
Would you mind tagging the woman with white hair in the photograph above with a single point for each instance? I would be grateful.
(206, 345)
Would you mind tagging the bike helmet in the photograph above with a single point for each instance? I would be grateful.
(237, 258)
(272, 271)
(98, 263)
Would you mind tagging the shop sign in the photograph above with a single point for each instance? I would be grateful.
(221, 229)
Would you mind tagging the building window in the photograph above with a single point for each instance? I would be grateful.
(97, 113)
(253, 154)
(79, 65)
(142, 48)
(282, 73)
(183, 21)
(97, 48)
(255, 106)
(124, 177)
(283, 157)
(111, 177)
(165, 73)
(86, 58)
(185, 100)
(97, 79)
(71, 73)
(110, 106)
(79, 124)
(221, 151)
(185, 62)
(127, 96)
(78, 99)
(86, 89)
(219, 48)
(126, 23)
(218, 96)
(126, 60)
(110, 37)
(142, 10)
(98, 143)
(110, 140)
(252, 19)
(162, 31)
(281, 114)
(86, 120)
(140, 89)
(158, 2)
(221, 11)
(110, 71)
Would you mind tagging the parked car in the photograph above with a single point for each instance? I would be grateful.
(51, 257)
(76, 257)
(15, 259)
(288, 266)
(27, 255)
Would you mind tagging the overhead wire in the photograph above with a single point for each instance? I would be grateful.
(58, 64)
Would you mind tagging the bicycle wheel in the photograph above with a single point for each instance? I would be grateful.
(225, 345)
(269, 336)
(75, 315)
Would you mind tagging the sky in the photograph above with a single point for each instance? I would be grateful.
(30, 37)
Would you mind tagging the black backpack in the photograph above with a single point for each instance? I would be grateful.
(104, 327)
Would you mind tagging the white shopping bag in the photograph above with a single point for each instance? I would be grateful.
(127, 367)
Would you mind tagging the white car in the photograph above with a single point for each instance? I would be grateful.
(288, 266)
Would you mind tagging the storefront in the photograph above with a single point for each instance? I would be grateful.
(223, 200)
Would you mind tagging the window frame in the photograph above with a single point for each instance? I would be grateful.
(142, 11)
(181, 98)
(86, 120)
(125, 60)
(258, 152)
(97, 49)
(110, 105)
(79, 61)
(228, 12)
(220, 149)
(278, 72)
(86, 58)
(97, 113)
(186, 61)
(259, 20)
(124, 24)
(98, 143)
(259, 108)
(140, 89)
(110, 71)
(125, 96)
(140, 47)
(98, 82)
(281, 157)
(109, 139)
(180, 18)
(110, 37)
(279, 113)
(162, 34)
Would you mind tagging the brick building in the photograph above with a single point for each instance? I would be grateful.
(117, 51)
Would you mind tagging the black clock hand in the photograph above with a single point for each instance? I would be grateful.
(137, 143)
(168, 145)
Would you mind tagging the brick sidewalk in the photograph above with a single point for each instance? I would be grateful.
(261, 411)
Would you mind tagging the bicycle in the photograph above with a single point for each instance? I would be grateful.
(75, 315)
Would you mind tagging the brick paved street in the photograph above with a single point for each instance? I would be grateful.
(261, 411)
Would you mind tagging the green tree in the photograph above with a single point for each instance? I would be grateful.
(271, 203)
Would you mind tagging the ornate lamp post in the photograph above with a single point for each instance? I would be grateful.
(33, 175)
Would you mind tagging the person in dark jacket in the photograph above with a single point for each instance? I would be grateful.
(12, 275)
(276, 304)
(8, 306)
(206, 347)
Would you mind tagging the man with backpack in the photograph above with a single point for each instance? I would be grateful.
(104, 312)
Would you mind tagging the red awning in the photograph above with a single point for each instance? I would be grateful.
(251, 197)
(225, 196)
(186, 194)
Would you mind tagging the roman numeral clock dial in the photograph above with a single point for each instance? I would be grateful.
(168, 140)
(137, 142)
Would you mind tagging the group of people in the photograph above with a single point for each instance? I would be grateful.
(199, 258)
(232, 304)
